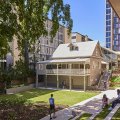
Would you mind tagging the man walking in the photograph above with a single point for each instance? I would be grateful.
(52, 106)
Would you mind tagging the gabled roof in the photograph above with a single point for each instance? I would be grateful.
(85, 49)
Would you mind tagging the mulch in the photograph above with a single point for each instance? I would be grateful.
(25, 112)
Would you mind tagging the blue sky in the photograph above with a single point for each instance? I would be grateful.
(89, 18)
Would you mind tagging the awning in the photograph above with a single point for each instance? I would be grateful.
(64, 60)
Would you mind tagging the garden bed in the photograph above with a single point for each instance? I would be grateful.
(21, 111)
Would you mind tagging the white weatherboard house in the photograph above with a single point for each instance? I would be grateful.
(77, 65)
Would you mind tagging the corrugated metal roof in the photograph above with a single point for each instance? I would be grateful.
(85, 49)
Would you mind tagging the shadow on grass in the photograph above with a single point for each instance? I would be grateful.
(26, 95)
(102, 114)
(117, 115)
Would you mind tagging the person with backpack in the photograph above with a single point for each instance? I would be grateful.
(52, 106)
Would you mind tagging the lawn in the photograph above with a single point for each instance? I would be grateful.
(33, 104)
(61, 97)
(102, 114)
(117, 115)
(85, 116)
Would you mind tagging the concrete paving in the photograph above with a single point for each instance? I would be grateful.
(91, 106)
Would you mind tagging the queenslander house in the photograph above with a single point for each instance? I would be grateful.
(77, 64)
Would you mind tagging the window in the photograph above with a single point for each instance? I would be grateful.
(108, 28)
(83, 39)
(60, 36)
(73, 37)
(61, 29)
(87, 66)
(81, 66)
(108, 11)
(115, 42)
(108, 45)
(107, 5)
(107, 39)
(108, 17)
(59, 66)
(73, 48)
(75, 66)
(108, 34)
(108, 22)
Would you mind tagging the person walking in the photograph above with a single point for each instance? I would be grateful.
(52, 106)
(105, 85)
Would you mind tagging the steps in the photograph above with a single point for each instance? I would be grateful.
(104, 80)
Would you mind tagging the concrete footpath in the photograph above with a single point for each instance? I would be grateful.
(91, 106)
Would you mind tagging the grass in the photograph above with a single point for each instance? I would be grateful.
(61, 97)
(103, 114)
(115, 82)
(85, 116)
(117, 115)
(115, 79)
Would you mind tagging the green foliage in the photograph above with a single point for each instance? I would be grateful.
(115, 82)
(6, 75)
(25, 19)
(8, 25)
(115, 79)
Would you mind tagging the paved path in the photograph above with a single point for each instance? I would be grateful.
(91, 105)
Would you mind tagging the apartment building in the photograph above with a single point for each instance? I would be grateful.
(77, 37)
(44, 47)
(112, 27)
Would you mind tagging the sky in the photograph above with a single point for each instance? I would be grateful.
(89, 18)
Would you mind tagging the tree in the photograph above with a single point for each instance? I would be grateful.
(8, 25)
(26, 19)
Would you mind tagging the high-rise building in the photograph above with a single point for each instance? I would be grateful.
(112, 28)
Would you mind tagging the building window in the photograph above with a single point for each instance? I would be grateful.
(108, 22)
(73, 37)
(108, 11)
(60, 37)
(108, 45)
(107, 39)
(108, 34)
(108, 17)
(108, 28)
(73, 48)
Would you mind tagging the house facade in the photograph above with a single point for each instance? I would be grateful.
(77, 64)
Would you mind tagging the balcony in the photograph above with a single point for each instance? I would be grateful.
(72, 72)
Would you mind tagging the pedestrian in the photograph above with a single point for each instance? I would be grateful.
(104, 101)
(105, 85)
(52, 106)
(116, 101)
(63, 85)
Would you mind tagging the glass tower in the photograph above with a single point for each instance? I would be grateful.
(112, 29)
